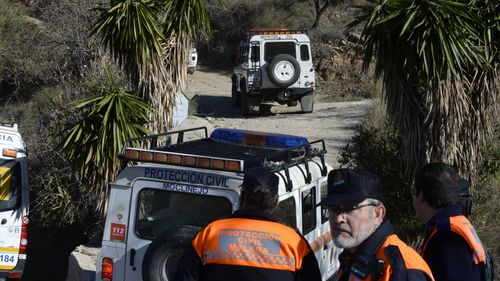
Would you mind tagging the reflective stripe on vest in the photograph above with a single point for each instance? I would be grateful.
(411, 259)
(461, 226)
(248, 242)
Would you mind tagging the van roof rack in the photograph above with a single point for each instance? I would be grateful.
(227, 150)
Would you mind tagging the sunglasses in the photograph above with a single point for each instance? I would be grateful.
(337, 210)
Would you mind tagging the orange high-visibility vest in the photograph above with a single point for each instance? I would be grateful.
(411, 259)
(254, 243)
(461, 226)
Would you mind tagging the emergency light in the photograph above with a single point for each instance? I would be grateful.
(244, 137)
(180, 159)
(9, 152)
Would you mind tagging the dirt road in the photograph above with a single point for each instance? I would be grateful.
(333, 122)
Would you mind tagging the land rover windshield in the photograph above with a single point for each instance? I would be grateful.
(10, 184)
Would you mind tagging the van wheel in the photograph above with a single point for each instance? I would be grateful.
(163, 254)
(307, 102)
(284, 70)
(235, 95)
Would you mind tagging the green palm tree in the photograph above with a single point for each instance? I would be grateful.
(439, 62)
(151, 39)
(94, 141)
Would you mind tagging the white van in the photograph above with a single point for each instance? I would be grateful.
(14, 202)
(174, 185)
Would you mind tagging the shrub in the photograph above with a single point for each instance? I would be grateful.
(43, 45)
(485, 209)
(20, 64)
(376, 150)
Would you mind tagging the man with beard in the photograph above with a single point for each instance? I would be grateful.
(372, 251)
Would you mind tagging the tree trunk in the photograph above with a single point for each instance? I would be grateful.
(320, 9)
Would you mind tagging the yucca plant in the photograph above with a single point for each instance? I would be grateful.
(151, 39)
(439, 66)
(130, 31)
(93, 142)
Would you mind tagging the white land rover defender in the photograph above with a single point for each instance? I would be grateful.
(176, 183)
(273, 65)
(14, 202)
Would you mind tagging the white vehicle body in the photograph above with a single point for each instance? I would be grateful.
(14, 202)
(273, 65)
(189, 186)
(192, 61)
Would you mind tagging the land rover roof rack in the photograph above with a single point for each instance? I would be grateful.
(272, 31)
(228, 150)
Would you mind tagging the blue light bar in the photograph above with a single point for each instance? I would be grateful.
(253, 138)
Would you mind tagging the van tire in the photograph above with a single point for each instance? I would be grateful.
(283, 70)
(163, 254)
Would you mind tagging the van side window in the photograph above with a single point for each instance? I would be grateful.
(285, 213)
(10, 184)
(304, 53)
(323, 190)
(308, 210)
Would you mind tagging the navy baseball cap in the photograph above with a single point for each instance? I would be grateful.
(258, 179)
(349, 187)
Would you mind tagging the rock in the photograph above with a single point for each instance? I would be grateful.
(82, 264)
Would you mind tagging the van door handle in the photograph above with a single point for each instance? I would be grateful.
(132, 258)
(4, 221)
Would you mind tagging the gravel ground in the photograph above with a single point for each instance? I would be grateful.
(335, 123)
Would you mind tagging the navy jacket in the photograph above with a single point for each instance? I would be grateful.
(365, 264)
(447, 253)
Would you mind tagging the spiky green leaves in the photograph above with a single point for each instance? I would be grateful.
(108, 119)
(439, 63)
(131, 31)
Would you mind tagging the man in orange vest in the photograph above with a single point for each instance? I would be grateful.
(372, 251)
(451, 246)
(250, 244)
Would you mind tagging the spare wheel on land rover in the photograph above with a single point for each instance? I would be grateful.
(284, 70)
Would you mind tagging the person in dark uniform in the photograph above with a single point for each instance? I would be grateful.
(250, 244)
(372, 251)
(451, 246)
